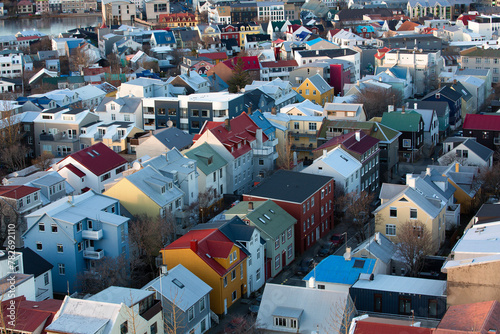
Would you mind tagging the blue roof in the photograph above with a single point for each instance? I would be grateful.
(74, 43)
(368, 29)
(335, 269)
(147, 74)
(303, 35)
(161, 37)
(264, 124)
(317, 40)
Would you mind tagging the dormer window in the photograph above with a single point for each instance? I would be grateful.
(163, 189)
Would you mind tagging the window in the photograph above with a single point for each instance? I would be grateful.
(241, 269)
(277, 243)
(202, 304)
(54, 228)
(289, 233)
(257, 275)
(312, 202)
(225, 281)
(390, 229)
(80, 246)
(203, 326)
(233, 275)
(62, 269)
(303, 208)
(312, 126)
(234, 295)
(433, 305)
(283, 239)
(393, 213)
(191, 313)
(296, 126)
(41, 227)
(79, 226)
(377, 307)
(154, 328)
(39, 246)
(404, 305)
(289, 251)
(258, 253)
(277, 262)
(60, 248)
(321, 287)
(413, 213)
(46, 278)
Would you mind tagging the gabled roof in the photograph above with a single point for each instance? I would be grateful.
(266, 215)
(406, 122)
(482, 122)
(482, 151)
(337, 270)
(211, 244)
(33, 263)
(207, 159)
(180, 286)
(98, 158)
(379, 246)
(250, 63)
(340, 160)
(75, 170)
(321, 85)
(350, 143)
(119, 295)
(16, 192)
(279, 63)
(173, 137)
(289, 186)
(439, 106)
(30, 315)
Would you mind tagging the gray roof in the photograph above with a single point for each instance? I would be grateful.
(128, 104)
(180, 286)
(482, 151)
(174, 137)
(171, 161)
(118, 295)
(379, 246)
(439, 106)
(320, 83)
(289, 186)
(401, 284)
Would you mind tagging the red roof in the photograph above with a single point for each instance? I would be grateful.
(211, 242)
(214, 55)
(16, 192)
(31, 315)
(98, 158)
(177, 17)
(103, 26)
(466, 18)
(366, 327)
(279, 63)
(278, 41)
(482, 122)
(470, 318)
(249, 63)
(349, 142)
(74, 170)
(293, 27)
(242, 132)
(27, 38)
(381, 52)
(206, 126)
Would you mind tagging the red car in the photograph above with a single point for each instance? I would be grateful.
(337, 239)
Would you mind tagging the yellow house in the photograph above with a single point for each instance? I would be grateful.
(248, 29)
(402, 203)
(216, 260)
(148, 192)
(316, 89)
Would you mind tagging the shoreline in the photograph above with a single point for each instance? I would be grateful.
(49, 16)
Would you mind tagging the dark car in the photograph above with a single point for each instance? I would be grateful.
(337, 239)
(305, 266)
(326, 249)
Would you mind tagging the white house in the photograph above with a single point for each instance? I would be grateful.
(467, 151)
(122, 109)
(343, 167)
(91, 168)
(143, 87)
(431, 125)
(90, 96)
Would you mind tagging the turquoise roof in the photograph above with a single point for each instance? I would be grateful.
(406, 122)
(207, 159)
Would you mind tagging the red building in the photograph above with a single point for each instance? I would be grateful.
(306, 197)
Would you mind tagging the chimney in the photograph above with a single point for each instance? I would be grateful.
(325, 152)
(377, 238)
(317, 52)
(194, 245)
(358, 135)
(347, 254)
(258, 137)
(454, 81)
(227, 124)
(428, 171)
(250, 108)
(415, 105)
(410, 181)
(311, 283)
(273, 111)
(390, 108)
(250, 206)
(403, 109)
(457, 167)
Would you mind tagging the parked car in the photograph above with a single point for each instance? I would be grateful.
(337, 239)
(326, 249)
(253, 309)
(305, 266)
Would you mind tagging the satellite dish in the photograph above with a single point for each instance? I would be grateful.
(170, 123)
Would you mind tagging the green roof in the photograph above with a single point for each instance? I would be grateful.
(204, 154)
(407, 122)
(56, 80)
(267, 216)
(374, 129)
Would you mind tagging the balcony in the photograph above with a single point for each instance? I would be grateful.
(496, 141)
(92, 235)
(93, 255)
(98, 136)
(57, 137)
(302, 148)
(303, 134)
(263, 151)
(273, 142)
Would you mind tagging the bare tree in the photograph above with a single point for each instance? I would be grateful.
(285, 155)
(12, 152)
(79, 60)
(340, 317)
(376, 100)
(414, 244)
(242, 324)
(107, 272)
(44, 161)
(451, 157)
(150, 65)
(174, 316)
(203, 17)
(357, 208)
(147, 238)
(490, 180)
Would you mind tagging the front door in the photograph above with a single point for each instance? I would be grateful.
(317, 233)
(225, 305)
(283, 259)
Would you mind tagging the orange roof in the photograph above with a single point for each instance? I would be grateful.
(471, 318)
(408, 26)
(367, 327)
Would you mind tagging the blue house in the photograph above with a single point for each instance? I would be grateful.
(75, 233)
(454, 100)
(401, 295)
(340, 272)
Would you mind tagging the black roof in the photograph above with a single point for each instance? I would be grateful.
(258, 38)
(254, 96)
(357, 14)
(53, 110)
(440, 107)
(33, 263)
(488, 211)
(289, 186)
(446, 92)
(331, 53)
(74, 111)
